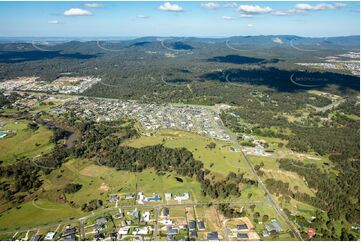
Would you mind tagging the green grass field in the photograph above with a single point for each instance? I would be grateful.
(271, 170)
(43, 212)
(99, 182)
(272, 214)
(220, 160)
(25, 143)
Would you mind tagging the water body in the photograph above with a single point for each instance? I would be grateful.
(179, 179)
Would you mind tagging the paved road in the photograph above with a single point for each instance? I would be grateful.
(82, 230)
(268, 195)
(156, 224)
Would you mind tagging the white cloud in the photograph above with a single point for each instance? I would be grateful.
(170, 7)
(254, 9)
(230, 5)
(321, 6)
(305, 7)
(53, 22)
(287, 12)
(227, 18)
(93, 5)
(243, 15)
(340, 5)
(277, 40)
(77, 12)
(142, 16)
(210, 5)
(250, 25)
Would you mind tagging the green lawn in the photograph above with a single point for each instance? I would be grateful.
(25, 143)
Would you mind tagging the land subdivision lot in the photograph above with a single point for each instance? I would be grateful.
(271, 170)
(43, 212)
(221, 160)
(22, 142)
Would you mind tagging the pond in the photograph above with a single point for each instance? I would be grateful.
(2, 134)
(179, 179)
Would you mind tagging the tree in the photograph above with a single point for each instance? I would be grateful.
(72, 188)
(211, 145)
(33, 126)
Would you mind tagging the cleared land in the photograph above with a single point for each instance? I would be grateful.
(42, 213)
(221, 160)
(22, 142)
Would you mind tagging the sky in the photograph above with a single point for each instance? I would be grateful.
(200, 19)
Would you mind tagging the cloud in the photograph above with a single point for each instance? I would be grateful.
(142, 16)
(210, 5)
(77, 12)
(93, 5)
(170, 7)
(227, 18)
(253, 9)
(250, 25)
(243, 15)
(53, 22)
(277, 40)
(287, 12)
(230, 5)
(321, 6)
(340, 5)
(305, 7)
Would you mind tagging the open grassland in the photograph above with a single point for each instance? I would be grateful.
(259, 226)
(271, 170)
(25, 143)
(36, 213)
(220, 160)
(100, 182)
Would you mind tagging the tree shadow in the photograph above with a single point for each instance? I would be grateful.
(180, 46)
(140, 44)
(237, 59)
(285, 81)
(22, 56)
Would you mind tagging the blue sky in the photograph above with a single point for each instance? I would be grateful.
(216, 19)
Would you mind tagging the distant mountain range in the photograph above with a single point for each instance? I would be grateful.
(261, 41)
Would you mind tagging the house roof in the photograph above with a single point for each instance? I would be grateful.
(101, 220)
(69, 231)
(165, 211)
(242, 227)
(212, 236)
(192, 224)
(201, 224)
(36, 237)
(193, 233)
(242, 236)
